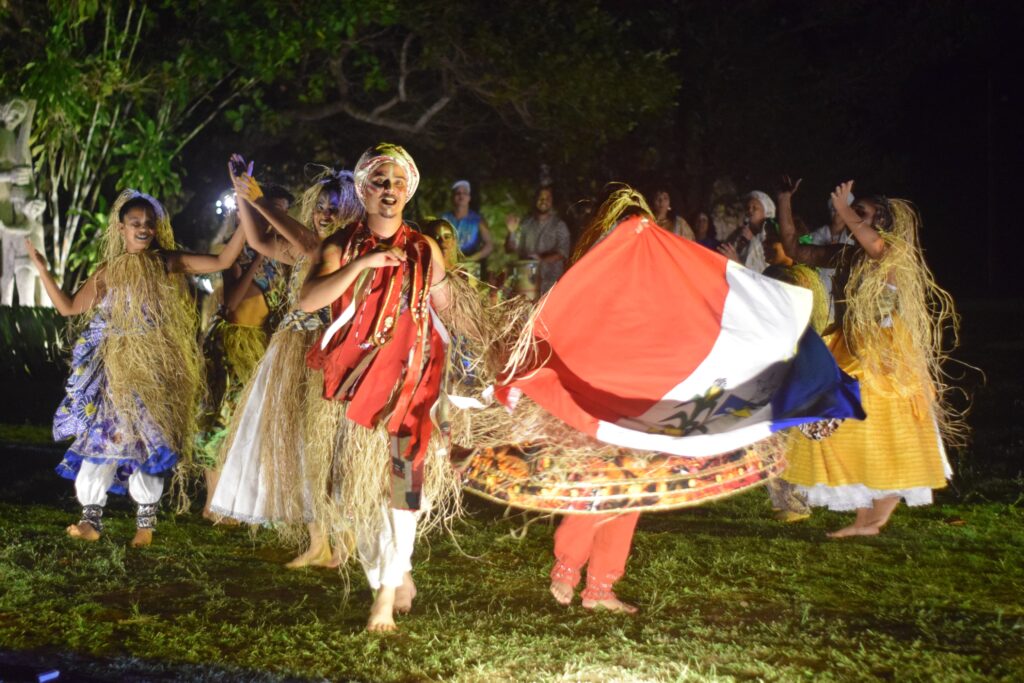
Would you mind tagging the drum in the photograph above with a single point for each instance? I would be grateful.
(526, 278)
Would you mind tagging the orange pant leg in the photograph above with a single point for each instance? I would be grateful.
(613, 538)
(574, 540)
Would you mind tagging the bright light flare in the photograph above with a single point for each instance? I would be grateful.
(226, 203)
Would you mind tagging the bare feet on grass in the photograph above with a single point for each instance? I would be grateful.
(143, 538)
(318, 555)
(869, 520)
(854, 530)
(83, 531)
(212, 477)
(612, 604)
(319, 552)
(344, 544)
(382, 618)
(562, 592)
(405, 594)
(219, 519)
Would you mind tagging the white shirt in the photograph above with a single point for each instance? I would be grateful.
(824, 236)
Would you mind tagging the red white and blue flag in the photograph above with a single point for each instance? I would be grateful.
(651, 341)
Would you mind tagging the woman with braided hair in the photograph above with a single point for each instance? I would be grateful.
(890, 316)
(278, 456)
(133, 394)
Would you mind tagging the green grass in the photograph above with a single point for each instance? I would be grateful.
(37, 435)
(726, 594)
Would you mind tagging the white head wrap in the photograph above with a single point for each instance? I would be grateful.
(385, 153)
(766, 202)
(462, 183)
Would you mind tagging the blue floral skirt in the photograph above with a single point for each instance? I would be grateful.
(100, 436)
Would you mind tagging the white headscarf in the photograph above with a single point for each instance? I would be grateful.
(385, 153)
(766, 202)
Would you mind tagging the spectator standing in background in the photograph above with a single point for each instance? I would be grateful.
(668, 219)
(542, 236)
(474, 236)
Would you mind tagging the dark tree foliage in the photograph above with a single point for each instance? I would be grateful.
(128, 89)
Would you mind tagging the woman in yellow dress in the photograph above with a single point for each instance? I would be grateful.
(890, 318)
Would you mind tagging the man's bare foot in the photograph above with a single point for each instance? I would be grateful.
(84, 531)
(143, 537)
(562, 592)
(405, 594)
(382, 618)
(854, 530)
(316, 556)
(612, 604)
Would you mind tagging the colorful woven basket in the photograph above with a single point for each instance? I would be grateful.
(530, 478)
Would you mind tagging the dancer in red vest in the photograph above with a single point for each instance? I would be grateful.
(384, 355)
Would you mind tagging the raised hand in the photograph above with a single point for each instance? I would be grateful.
(512, 222)
(238, 167)
(729, 251)
(34, 255)
(247, 188)
(788, 186)
(841, 196)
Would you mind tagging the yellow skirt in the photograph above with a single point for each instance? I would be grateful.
(895, 451)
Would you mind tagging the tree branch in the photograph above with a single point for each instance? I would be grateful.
(394, 124)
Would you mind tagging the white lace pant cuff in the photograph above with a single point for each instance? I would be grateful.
(854, 496)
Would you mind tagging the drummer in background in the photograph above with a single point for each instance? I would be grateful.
(474, 238)
(542, 236)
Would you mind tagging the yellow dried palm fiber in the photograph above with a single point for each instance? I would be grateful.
(475, 327)
(151, 352)
(244, 347)
(296, 440)
(608, 215)
(807, 277)
(113, 240)
(900, 287)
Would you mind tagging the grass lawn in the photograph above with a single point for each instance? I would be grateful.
(726, 594)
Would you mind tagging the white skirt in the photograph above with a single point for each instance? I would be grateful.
(242, 492)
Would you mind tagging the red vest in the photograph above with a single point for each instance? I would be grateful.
(387, 362)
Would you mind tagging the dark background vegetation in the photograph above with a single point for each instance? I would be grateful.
(913, 98)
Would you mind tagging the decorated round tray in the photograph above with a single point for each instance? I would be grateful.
(531, 478)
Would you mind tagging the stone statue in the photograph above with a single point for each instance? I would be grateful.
(17, 267)
(20, 211)
(15, 156)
